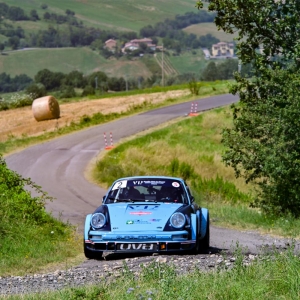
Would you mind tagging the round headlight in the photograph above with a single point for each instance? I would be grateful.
(177, 220)
(98, 220)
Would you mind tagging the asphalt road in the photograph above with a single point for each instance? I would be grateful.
(58, 166)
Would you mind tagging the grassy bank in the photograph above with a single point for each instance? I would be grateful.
(31, 239)
(192, 149)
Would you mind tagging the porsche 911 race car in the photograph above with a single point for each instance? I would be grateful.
(147, 214)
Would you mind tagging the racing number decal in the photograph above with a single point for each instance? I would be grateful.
(119, 185)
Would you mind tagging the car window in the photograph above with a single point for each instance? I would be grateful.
(158, 190)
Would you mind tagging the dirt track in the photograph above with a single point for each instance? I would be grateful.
(20, 121)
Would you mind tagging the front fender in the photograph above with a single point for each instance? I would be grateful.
(87, 226)
(202, 214)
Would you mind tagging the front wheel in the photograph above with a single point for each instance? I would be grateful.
(91, 254)
(204, 243)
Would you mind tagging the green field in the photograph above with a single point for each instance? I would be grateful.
(66, 60)
(87, 61)
(117, 14)
(209, 28)
(189, 62)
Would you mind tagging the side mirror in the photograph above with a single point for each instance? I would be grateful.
(103, 198)
(192, 199)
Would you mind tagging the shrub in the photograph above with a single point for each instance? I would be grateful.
(194, 87)
(36, 90)
(88, 90)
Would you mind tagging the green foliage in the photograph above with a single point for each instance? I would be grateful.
(194, 87)
(41, 233)
(16, 202)
(17, 100)
(87, 91)
(36, 90)
(263, 143)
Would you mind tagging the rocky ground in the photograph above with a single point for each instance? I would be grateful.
(93, 271)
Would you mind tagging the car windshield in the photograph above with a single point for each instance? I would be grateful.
(148, 190)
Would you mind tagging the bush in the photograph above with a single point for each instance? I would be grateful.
(194, 87)
(67, 92)
(36, 90)
(88, 90)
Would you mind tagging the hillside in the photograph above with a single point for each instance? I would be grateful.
(72, 35)
(117, 14)
(66, 60)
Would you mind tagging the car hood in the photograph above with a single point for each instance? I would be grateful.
(140, 217)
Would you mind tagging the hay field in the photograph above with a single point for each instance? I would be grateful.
(21, 122)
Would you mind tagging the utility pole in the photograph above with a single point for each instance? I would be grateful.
(162, 66)
(240, 66)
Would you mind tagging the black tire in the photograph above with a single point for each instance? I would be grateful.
(91, 254)
(196, 249)
(204, 243)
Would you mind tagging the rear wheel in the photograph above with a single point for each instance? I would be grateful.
(91, 254)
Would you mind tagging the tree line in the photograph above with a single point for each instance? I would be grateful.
(46, 81)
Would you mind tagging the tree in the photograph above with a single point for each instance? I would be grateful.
(50, 80)
(14, 42)
(33, 15)
(210, 73)
(263, 146)
(16, 14)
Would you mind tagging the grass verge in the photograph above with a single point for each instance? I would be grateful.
(269, 277)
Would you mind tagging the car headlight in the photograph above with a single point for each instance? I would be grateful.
(98, 220)
(177, 220)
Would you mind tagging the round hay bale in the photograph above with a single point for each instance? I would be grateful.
(45, 108)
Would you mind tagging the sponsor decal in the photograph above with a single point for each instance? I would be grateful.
(137, 222)
(154, 220)
(142, 207)
(175, 184)
(135, 237)
(147, 182)
(140, 213)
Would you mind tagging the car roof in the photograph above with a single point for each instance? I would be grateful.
(150, 177)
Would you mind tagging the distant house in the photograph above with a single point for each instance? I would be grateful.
(223, 49)
(110, 45)
(135, 44)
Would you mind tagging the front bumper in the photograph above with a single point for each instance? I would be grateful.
(140, 246)
(139, 242)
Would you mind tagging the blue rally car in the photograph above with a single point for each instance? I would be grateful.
(147, 214)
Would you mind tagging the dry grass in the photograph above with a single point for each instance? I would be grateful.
(21, 122)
